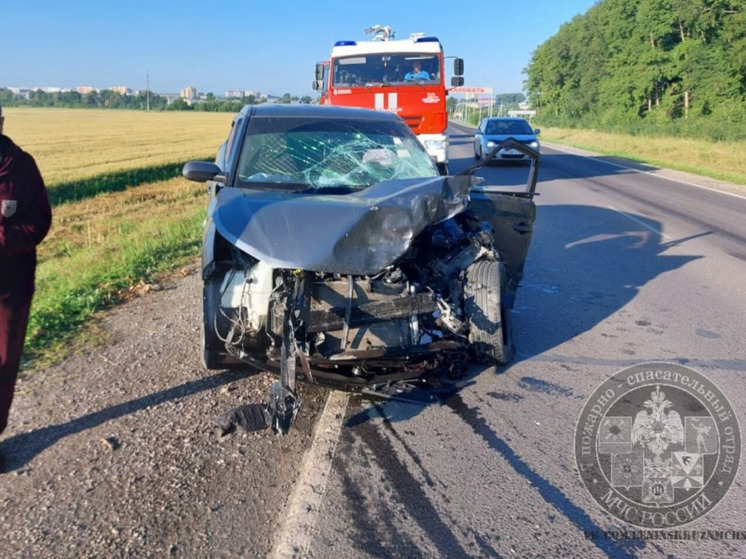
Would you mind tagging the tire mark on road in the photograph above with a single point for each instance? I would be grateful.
(551, 494)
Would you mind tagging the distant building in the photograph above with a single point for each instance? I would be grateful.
(189, 93)
(121, 89)
(170, 97)
(83, 89)
(24, 92)
(239, 94)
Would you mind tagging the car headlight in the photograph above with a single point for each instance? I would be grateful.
(491, 144)
(435, 144)
(534, 145)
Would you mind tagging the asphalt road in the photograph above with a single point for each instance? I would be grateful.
(626, 267)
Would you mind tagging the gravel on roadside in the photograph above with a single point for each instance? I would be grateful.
(113, 452)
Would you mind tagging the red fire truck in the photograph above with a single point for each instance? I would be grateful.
(406, 77)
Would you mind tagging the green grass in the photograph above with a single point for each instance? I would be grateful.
(120, 218)
(721, 160)
(100, 248)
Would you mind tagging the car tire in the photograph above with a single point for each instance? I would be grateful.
(443, 169)
(489, 321)
(476, 155)
(214, 355)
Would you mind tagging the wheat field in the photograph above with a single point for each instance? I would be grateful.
(101, 244)
(76, 144)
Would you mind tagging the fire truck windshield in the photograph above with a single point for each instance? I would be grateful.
(380, 69)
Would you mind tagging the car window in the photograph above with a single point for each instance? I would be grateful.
(328, 154)
(387, 68)
(508, 127)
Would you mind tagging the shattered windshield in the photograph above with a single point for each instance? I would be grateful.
(382, 69)
(329, 155)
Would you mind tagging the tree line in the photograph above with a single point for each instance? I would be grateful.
(669, 65)
(109, 99)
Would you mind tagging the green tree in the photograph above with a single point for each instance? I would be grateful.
(644, 62)
(179, 105)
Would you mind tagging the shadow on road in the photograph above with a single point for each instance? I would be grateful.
(552, 494)
(585, 264)
(438, 526)
(22, 448)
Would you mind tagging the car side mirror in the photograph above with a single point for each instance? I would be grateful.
(200, 171)
(457, 81)
(537, 131)
(319, 71)
(458, 67)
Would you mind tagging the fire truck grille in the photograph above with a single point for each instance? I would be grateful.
(414, 122)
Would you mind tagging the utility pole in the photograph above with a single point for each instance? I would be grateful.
(147, 90)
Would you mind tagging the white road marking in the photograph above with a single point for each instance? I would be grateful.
(299, 525)
(653, 229)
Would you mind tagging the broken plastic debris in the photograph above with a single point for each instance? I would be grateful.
(250, 417)
(279, 413)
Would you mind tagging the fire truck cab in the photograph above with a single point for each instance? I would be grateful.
(406, 77)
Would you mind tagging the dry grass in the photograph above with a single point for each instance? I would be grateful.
(725, 160)
(101, 248)
(104, 244)
(93, 224)
(76, 144)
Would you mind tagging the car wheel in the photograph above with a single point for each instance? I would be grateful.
(489, 321)
(476, 155)
(214, 355)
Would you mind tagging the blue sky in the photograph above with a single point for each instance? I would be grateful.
(269, 46)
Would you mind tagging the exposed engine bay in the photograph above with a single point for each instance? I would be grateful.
(363, 313)
(342, 258)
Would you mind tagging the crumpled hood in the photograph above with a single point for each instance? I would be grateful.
(359, 233)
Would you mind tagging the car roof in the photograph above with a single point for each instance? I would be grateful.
(317, 111)
(504, 118)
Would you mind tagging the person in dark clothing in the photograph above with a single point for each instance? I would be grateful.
(25, 218)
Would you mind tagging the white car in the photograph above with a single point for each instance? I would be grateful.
(493, 131)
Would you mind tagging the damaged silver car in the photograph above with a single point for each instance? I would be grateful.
(335, 253)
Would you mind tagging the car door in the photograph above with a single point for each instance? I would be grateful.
(478, 134)
(512, 215)
(512, 219)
